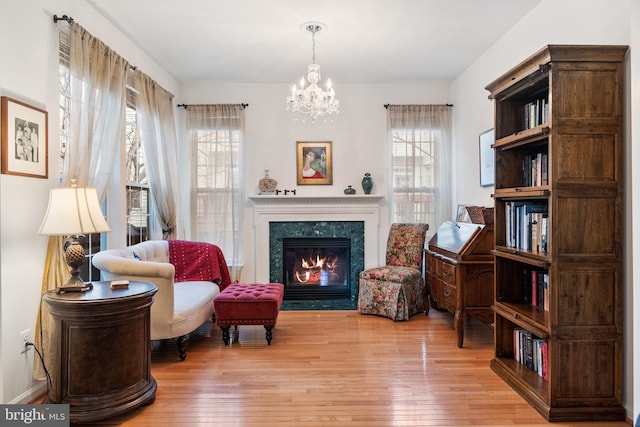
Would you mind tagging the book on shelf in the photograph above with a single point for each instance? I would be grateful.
(528, 350)
(536, 113)
(531, 351)
(526, 226)
(545, 359)
(535, 169)
(534, 288)
(537, 287)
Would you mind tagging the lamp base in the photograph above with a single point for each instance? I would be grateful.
(74, 255)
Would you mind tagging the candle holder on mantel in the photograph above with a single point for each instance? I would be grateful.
(267, 185)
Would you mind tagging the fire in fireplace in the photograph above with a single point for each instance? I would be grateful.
(316, 267)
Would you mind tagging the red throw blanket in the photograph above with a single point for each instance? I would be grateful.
(198, 261)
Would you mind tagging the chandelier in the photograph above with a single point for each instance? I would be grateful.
(312, 100)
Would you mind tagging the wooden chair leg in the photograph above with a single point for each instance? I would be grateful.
(225, 334)
(182, 346)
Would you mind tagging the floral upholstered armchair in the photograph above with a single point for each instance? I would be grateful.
(396, 290)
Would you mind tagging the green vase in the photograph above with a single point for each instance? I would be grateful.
(367, 183)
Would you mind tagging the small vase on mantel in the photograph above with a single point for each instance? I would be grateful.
(267, 185)
(367, 183)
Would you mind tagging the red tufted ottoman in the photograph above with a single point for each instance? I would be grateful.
(248, 304)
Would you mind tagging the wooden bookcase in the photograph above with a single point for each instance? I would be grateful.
(558, 231)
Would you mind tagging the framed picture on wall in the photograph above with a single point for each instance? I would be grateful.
(314, 163)
(486, 158)
(24, 139)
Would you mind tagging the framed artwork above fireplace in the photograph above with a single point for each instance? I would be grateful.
(314, 164)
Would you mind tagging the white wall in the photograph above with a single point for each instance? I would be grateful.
(30, 75)
(22, 200)
(551, 22)
(358, 133)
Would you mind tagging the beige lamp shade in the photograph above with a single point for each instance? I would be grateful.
(73, 210)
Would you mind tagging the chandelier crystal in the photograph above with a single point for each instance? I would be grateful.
(312, 100)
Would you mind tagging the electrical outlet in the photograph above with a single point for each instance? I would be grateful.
(26, 339)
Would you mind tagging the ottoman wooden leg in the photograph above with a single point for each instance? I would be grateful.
(269, 329)
(225, 334)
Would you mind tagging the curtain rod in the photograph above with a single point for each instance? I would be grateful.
(57, 18)
(69, 20)
(448, 105)
(187, 105)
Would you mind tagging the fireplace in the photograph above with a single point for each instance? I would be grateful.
(342, 242)
(316, 268)
(352, 217)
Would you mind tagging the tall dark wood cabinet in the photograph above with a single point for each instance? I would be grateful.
(558, 231)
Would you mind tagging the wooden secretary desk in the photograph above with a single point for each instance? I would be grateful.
(459, 272)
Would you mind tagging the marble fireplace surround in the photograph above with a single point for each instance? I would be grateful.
(267, 209)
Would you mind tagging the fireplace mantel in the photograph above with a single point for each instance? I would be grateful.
(292, 208)
(316, 200)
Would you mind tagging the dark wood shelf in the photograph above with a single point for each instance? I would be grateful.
(526, 316)
(527, 136)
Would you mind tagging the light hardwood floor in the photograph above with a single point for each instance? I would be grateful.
(335, 368)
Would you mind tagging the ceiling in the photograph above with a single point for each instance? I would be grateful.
(366, 41)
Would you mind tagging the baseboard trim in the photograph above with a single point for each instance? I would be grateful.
(32, 395)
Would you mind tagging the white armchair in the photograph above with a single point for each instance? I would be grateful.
(178, 308)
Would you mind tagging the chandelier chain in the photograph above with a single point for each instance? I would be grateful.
(314, 29)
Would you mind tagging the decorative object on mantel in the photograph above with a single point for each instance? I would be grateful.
(267, 185)
(312, 100)
(286, 192)
(367, 183)
(349, 190)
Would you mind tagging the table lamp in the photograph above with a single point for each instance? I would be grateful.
(73, 211)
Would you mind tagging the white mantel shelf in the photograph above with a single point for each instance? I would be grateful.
(292, 208)
(315, 200)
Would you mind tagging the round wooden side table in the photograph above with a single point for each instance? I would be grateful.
(101, 350)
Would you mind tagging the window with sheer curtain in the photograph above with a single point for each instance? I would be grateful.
(216, 133)
(419, 147)
(136, 177)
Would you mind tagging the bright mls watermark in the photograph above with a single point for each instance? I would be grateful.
(34, 415)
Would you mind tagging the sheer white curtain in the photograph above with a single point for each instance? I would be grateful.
(154, 106)
(98, 88)
(96, 106)
(420, 163)
(216, 135)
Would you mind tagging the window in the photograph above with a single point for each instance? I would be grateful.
(216, 173)
(216, 133)
(137, 188)
(419, 140)
(133, 176)
(414, 181)
(91, 242)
